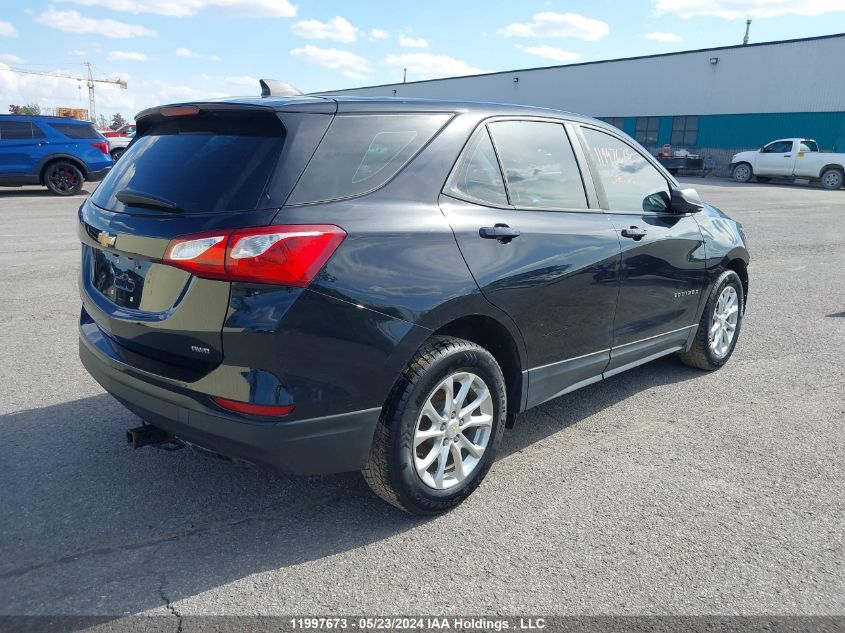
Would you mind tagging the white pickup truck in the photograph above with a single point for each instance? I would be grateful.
(790, 158)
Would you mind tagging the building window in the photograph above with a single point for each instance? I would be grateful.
(684, 130)
(615, 121)
(647, 127)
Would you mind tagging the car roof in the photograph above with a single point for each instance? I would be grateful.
(337, 103)
(43, 117)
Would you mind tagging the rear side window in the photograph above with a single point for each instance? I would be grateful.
(477, 177)
(212, 162)
(76, 130)
(630, 182)
(15, 130)
(540, 168)
(808, 146)
(361, 152)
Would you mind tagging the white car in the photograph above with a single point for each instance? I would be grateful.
(118, 144)
(790, 158)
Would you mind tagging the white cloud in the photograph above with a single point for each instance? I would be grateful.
(215, 58)
(741, 9)
(337, 29)
(79, 53)
(333, 58)
(550, 52)
(7, 30)
(378, 34)
(412, 42)
(186, 52)
(661, 36)
(551, 24)
(242, 80)
(353, 75)
(73, 22)
(429, 66)
(10, 59)
(126, 56)
(182, 8)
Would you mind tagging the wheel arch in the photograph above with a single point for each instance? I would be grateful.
(42, 167)
(835, 166)
(496, 338)
(740, 267)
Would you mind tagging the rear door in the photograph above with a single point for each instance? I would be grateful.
(16, 147)
(206, 170)
(776, 159)
(538, 247)
(662, 252)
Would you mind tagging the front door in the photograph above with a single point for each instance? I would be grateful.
(537, 249)
(776, 159)
(662, 253)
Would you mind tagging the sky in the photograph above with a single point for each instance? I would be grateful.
(180, 50)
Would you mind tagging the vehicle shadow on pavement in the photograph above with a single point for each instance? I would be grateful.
(99, 528)
(39, 193)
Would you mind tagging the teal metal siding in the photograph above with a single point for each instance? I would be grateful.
(664, 132)
(755, 130)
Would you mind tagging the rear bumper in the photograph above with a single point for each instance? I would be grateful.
(330, 444)
(96, 176)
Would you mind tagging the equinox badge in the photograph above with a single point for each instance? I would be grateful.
(106, 239)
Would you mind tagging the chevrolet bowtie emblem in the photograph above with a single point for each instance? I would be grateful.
(106, 239)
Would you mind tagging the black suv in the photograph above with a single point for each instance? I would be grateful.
(329, 284)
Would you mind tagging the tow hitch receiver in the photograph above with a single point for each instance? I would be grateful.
(147, 434)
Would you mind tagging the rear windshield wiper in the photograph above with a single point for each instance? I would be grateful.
(138, 199)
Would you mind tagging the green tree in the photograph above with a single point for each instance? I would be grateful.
(14, 109)
(102, 122)
(31, 108)
(117, 121)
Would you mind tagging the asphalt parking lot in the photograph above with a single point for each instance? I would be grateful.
(664, 490)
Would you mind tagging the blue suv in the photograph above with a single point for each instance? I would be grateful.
(56, 152)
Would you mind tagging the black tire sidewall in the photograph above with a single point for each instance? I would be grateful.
(750, 173)
(64, 165)
(727, 278)
(407, 483)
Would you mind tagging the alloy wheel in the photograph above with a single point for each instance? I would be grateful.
(453, 430)
(724, 322)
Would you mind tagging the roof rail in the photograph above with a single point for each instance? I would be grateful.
(275, 88)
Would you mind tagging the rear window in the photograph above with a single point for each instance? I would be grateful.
(361, 152)
(76, 130)
(214, 162)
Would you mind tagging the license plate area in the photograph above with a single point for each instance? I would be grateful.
(120, 278)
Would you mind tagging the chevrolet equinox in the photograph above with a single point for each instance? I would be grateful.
(328, 284)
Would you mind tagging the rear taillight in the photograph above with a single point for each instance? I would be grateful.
(287, 255)
(103, 146)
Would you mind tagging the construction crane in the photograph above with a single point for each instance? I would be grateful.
(89, 80)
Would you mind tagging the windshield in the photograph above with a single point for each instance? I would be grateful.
(209, 163)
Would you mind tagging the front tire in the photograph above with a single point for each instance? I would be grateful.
(439, 429)
(743, 172)
(718, 330)
(832, 179)
(63, 178)
(116, 154)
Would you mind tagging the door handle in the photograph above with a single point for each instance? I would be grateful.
(788, 156)
(501, 232)
(634, 233)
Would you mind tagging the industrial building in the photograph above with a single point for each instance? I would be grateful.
(714, 102)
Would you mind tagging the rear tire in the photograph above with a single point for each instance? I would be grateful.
(116, 154)
(418, 431)
(708, 352)
(63, 178)
(742, 172)
(832, 179)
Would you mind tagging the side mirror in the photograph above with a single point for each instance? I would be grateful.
(685, 201)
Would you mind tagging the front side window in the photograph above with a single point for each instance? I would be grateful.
(361, 152)
(778, 147)
(15, 130)
(647, 128)
(477, 176)
(539, 165)
(631, 183)
(684, 130)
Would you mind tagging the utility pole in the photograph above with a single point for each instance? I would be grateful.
(747, 29)
(404, 75)
(92, 114)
